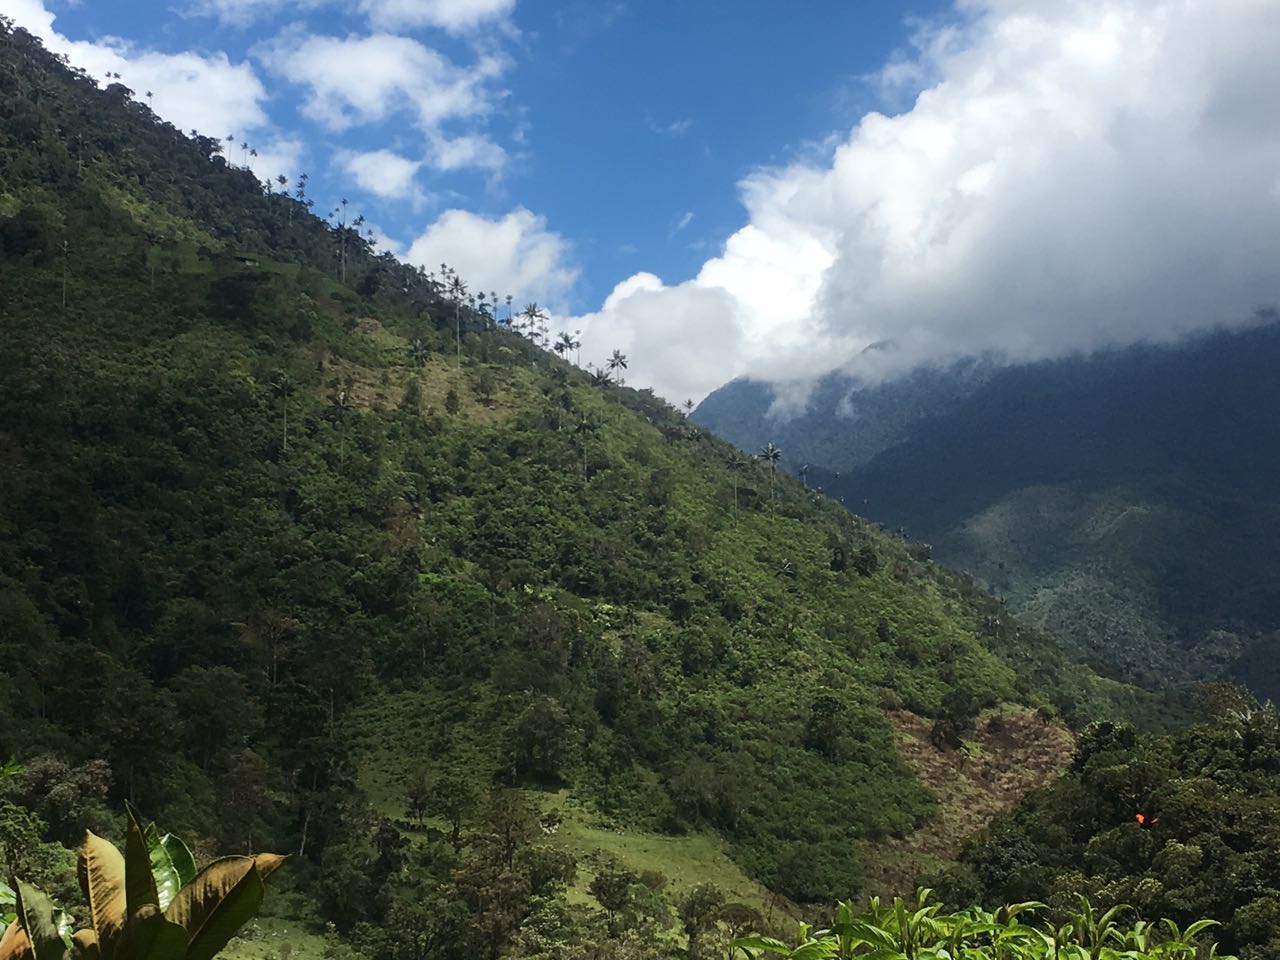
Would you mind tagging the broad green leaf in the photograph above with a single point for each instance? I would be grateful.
(163, 871)
(815, 950)
(139, 884)
(36, 914)
(181, 859)
(218, 902)
(102, 880)
(761, 943)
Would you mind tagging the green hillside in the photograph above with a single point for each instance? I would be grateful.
(1207, 844)
(300, 552)
(1121, 501)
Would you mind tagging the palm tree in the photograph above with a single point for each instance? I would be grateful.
(566, 342)
(282, 387)
(804, 475)
(617, 362)
(532, 315)
(457, 290)
(772, 454)
(418, 352)
(688, 407)
(736, 462)
(342, 236)
(599, 377)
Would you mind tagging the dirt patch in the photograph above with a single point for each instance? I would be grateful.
(1007, 754)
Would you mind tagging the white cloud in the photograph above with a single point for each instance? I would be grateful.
(206, 92)
(1079, 173)
(455, 16)
(513, 254)
(279, 155)
(458, 16)
(469, 152)
(242, 13)
(383, 173)
(357, 80)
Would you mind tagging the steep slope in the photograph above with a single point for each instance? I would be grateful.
(1122, 501)
(1206, 844)
(311, 569)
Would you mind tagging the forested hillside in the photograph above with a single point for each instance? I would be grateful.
(1120, 501)
(304, 549)
(1179, 826)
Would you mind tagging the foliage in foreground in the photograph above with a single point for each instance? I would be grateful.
(924, 932)
(1182, 826)
(149, 903)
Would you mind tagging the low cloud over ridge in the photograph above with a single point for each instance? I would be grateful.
(1075, 174)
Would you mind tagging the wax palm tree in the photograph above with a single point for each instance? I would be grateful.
(736, 463)
(533, 315)
(771, 454)
(618, 362)
(457, 290)
(282, 388)
(566, 342)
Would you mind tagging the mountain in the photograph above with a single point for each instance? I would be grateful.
(298, 551)
(1121, 501)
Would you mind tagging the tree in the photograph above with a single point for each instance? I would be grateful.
(532, 315)
(457, 291)
(454, 797)
(617, 363)
(735, 463)
(567, 342)
(282, 388)
(612, 888)
(698, 911)
(216, 710)
(419, 795)
(771, 455)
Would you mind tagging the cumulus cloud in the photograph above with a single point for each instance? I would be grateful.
(208, 93)
(279, 155)
(242, 13)
(1077, 173)
(457, 16)
(366, 79)
(382, 172)
(513, 254)
(468, 152)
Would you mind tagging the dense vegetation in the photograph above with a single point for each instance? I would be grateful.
(305, 549)
(1121, 501)
(1181, 826)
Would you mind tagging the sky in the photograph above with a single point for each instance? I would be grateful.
(764, 189)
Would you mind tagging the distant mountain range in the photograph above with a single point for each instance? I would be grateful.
(1126, 501)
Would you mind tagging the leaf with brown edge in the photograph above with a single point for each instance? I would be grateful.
(216, 904)
(269, 863)
(140, 884)
(102, 879)
(149, 935)
(37, 916)
(86, 943)
(15, 945)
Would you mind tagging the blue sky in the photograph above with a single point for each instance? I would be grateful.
(761, 188)
(625, 125)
